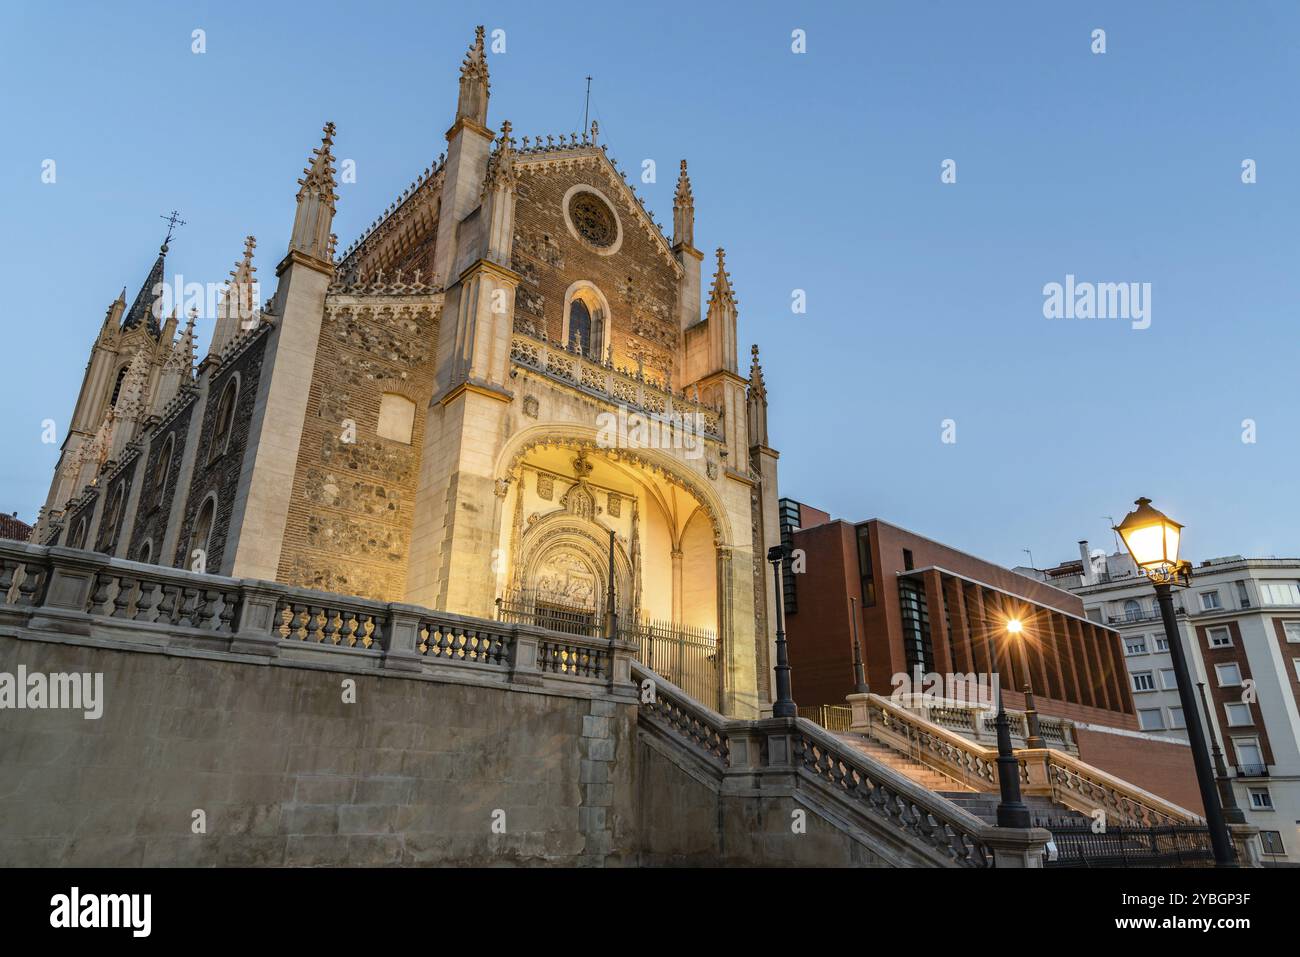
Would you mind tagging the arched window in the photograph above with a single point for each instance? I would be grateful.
(78, 537)
(396, 417)
(199, 540)
(113, 513)
(117, 386)
(163, 465)
(146, 552)
(1132, 610)
(225, 419)
(579, 327)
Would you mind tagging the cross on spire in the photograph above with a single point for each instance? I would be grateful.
(173, 220)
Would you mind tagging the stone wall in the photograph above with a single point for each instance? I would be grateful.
(220, 474)
(286, 773)
(350, 515)
(1161, 767)
(115, 508)
(155, 506)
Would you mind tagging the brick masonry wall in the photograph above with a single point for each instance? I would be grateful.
(1163, 769)
(155, 504)
(221, 475)
(85, 510)
(638, 281)
(349, 523)
(110, 526)
(288, 774)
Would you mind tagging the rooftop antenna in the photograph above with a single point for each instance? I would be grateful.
(586, 108)
(1031, 558)
(1110, 523)
(173, 221)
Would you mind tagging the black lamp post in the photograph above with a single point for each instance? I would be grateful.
(1012, 811)
(859, 671)
(1152, 538)
(784, 706)
(1034, 739)
(1231, 813)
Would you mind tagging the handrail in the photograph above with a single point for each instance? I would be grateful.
(1067, 779)
(885, 796)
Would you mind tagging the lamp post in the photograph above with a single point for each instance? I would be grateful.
(1231, 813)
(1034, 739)
(784, 706)
(1152, 538)
(1012, 811)
(859, 672)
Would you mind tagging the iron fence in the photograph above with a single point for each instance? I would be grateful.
(686, 656)
(1178, 845)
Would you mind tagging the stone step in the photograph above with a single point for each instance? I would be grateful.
(922, 774)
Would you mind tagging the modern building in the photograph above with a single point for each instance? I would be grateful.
(1239, 621)
(513, 391)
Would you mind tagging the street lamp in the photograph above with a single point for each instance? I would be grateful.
(859, 670)
(1012, 811)
(1016, 628)
(784, 706)
(1152, 538)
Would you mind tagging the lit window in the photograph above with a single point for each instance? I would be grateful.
(1238, 714)
(1220, 638)
(1210, 600)
(1135, 646)
(1229, 674)
(1144, 681)
(1260, 799)
(1292, 630)
(1150, 719)
(396, 417)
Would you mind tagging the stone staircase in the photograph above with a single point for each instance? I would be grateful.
(924, 775)
(1042, 810)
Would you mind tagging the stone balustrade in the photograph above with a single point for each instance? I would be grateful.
(796, 753)
(1047, 771)
(54, 590)
(615, 386)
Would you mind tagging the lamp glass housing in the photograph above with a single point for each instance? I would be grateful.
(1150, 536)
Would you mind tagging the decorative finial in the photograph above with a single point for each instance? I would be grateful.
(173, 220)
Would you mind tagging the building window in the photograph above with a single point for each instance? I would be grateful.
(908, 565)
(78, 537)
(1295, 663)
(1228, 674)
(1136, 645)
(579, 327)
(145, 553)
(1176, 718)
(1220, 638)
(1150, 719)
(1243, 596)
(396, 418)
(1210, 600)
(867, 569)
(1272, 842)
(1292, 631)
(1168, 679)
(1260, 799)
(1250, 759)
(117, 386)
(593, 219)
(1144, 681)
(1162, 643)
(1238, 714)
(225, 419)
(1132, 610)
(916, 626)
(163, 465)
(112, 515)
(1279, 593)
(202, 532)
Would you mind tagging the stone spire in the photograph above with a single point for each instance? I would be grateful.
(142, 311)
(683, 211)
(720, 293)
(498, 198)
(113, 316)
(501, 166)
(178, 366)
(238, 301)
(316, 198)
(757, 387)
(756, 403)
(472, 103)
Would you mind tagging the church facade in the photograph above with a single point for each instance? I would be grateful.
(512, 396)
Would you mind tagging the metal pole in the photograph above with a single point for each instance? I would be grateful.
(1012, 811)
(1231, 812)
(784, 706)
(1034, 738)
(611, 615)
(1219, 839)
(859, 672)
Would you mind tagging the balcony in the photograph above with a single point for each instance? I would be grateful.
(1132, 618)
(1252, 770)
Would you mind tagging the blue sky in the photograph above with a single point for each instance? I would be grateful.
(818, 171)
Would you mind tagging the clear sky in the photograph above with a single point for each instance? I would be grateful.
(817, 171)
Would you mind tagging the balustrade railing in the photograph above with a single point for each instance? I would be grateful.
(133, 602)
(1050, 771)
(618, 386)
